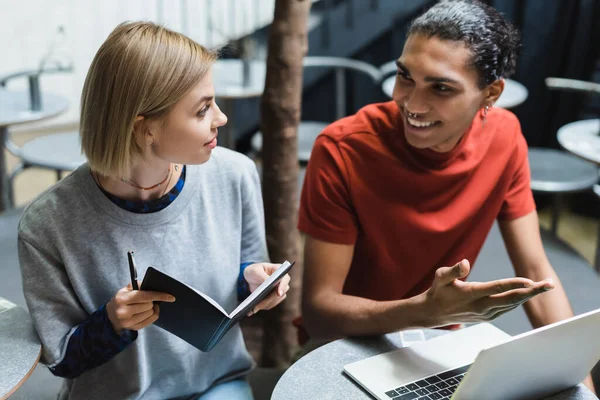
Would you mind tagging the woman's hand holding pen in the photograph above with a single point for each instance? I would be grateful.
(255, 274)
(134, 309)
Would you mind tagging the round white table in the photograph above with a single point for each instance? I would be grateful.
(15, 108)
(582, 138)
(20, 348)
(513, 95)
(319, 374)
(234, 79)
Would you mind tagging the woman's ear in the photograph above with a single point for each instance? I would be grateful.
(142, 134)
(493, 92)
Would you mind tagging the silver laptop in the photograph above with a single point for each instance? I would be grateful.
(483, 362)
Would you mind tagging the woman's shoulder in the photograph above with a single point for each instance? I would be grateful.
(226, 174)
(233, 158)
(46, 209)
(227, 164)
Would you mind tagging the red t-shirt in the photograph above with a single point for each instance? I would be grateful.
(410, 211)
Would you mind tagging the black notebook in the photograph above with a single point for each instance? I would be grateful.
(194, 316)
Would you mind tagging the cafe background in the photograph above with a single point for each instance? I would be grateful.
(561, 38)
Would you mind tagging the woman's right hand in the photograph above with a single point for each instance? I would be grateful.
(134, 309)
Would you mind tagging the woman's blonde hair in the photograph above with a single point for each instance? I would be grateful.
(141, 69)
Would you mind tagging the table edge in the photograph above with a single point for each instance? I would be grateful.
(22, 381)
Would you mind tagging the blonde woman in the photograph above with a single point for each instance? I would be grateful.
(155, 183)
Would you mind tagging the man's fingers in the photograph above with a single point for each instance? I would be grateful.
(447, 275)
(503, 310)
(482, 289)
(517, 296)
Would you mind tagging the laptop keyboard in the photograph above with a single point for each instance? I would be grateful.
(435, 387)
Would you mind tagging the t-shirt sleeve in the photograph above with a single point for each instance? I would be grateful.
(326, 211)
(518, 200)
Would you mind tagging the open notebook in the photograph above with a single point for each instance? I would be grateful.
(197, 318)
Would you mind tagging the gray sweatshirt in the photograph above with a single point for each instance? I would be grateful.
(73, 244)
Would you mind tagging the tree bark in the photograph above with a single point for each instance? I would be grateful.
(280, 116)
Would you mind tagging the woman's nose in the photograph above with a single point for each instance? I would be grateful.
(220, 119)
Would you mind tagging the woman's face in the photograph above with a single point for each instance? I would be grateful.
(188, 133)
(435, 83)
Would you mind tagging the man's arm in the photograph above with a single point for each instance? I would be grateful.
(328, 313)
(524, 245)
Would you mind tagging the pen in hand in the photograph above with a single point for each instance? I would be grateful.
(132, 270)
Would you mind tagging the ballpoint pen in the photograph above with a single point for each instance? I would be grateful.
(132, 270)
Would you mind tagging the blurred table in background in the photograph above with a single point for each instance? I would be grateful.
(15, 108)
(582, 138)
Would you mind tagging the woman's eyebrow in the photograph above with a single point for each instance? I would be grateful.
(202, 100)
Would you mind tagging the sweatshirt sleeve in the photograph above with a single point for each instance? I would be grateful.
(91, 344)
(73, 341)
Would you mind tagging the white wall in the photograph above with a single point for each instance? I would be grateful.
(28, 28)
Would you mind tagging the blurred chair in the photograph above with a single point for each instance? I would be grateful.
(309, 130)
(59, 152)
(558, 172)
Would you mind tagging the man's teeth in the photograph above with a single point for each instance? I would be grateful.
(419, 124)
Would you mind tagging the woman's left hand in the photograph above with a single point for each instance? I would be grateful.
(255, 274)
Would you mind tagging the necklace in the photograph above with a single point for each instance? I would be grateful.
(167, 180)
(149, 187)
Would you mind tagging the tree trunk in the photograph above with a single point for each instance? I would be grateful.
(280, 115)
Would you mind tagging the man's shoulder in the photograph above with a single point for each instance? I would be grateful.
(501, 133)
(504, 122)
(370, 120)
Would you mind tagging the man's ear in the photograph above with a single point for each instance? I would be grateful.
(493, 92)
(142, 133)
